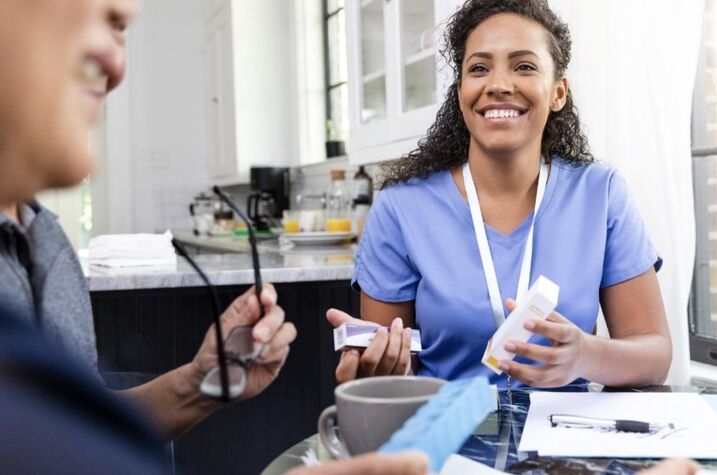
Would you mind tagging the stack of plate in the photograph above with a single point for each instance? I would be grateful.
(318, 237)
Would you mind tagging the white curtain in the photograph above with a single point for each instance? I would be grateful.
(632, 76)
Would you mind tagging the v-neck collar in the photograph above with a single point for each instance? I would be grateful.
(517, 235)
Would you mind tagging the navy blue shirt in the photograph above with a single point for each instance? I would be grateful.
(56, 416)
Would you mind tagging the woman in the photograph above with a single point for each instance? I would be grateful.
(506, 164)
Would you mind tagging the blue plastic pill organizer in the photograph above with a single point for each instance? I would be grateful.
(441, 426)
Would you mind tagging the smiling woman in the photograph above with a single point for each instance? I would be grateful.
(504, 189)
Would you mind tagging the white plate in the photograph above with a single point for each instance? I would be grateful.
(322, 237)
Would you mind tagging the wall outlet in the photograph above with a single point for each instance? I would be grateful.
(159, 159)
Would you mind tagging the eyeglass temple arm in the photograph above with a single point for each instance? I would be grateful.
(252, 243)
(221, 357)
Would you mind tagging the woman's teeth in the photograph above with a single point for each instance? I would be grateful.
(501, 113)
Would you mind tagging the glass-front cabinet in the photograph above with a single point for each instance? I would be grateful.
(373, 61)
(395, 86)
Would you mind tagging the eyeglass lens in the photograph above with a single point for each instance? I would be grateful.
(241, 351)
(241, 347)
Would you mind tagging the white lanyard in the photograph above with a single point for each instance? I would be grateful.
(478, 225)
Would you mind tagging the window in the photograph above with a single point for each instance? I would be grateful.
(703, 302)
(337, 94)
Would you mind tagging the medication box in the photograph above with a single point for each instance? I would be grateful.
(539, 301)
(351, 335)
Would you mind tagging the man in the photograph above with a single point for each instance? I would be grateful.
(58, 59)
(39, 272)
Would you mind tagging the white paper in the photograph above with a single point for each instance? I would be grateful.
(695, 419)
(459, 465)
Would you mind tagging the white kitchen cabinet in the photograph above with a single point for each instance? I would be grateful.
(220, 91)
(395, 86)
(249, 100)
(212, 7)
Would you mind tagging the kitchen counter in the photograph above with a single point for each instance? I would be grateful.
(298, 264)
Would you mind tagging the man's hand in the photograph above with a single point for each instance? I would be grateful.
(407, 463)
(271, 330)
(674, 466)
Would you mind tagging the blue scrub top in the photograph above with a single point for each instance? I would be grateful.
(418, 244)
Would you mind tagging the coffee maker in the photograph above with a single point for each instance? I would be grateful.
(269, 197)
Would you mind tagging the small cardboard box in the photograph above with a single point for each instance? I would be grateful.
(351, 335)
(539, 301)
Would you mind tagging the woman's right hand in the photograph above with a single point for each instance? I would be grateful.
(388, 353)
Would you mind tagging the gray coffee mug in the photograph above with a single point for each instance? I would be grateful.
(370, 410)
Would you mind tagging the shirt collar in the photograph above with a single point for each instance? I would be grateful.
(28, 212)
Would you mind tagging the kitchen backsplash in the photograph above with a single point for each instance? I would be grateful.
(171, 206)
(315, 179)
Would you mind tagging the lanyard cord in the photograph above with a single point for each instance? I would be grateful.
(491, 278)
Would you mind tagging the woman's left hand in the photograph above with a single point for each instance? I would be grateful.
(559, 363)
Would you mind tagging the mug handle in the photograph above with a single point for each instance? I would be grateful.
(327, 433)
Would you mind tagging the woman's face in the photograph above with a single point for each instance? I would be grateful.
(508, 85)
(57, 60)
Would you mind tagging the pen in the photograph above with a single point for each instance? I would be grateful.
(624, 425)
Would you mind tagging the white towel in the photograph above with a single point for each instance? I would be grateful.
(132, 250)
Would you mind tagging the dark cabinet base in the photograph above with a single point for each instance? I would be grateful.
(157, 330)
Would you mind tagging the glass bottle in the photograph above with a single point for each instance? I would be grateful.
(363, 186)
(363, 194)
(338, 202)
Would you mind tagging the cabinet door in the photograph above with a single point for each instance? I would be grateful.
(416, 82)
(222, 131)
(367, 26)
(211, 7)
(395, 84)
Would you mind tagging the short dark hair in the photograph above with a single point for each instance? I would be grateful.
(446, 142)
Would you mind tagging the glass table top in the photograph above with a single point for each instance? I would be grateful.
(495, 441)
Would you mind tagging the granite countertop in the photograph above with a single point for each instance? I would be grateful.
(297, 264)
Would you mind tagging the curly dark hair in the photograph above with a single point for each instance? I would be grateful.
(446, 142)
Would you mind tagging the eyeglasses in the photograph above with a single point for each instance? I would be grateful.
(235, 355)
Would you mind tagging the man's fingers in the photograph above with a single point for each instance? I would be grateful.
(282, 339)
(268, 294)
(406, 463)
(265, 328)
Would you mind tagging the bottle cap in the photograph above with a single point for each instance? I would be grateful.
(338, 174)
